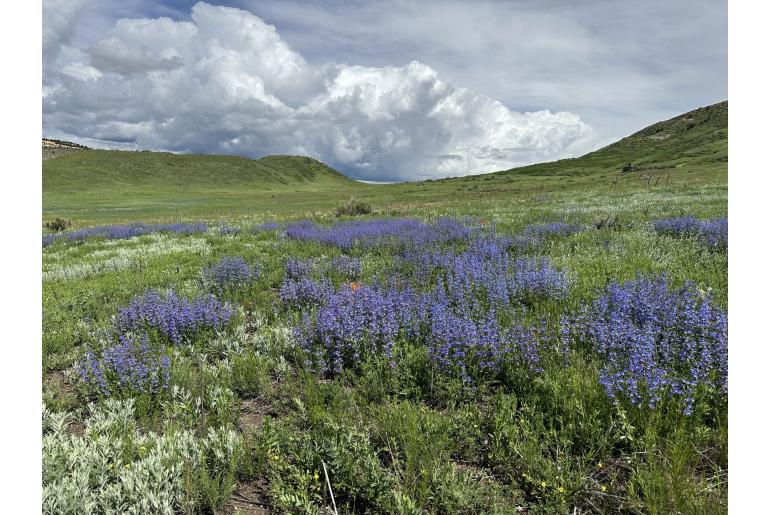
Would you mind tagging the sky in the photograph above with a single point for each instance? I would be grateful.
(382, 91)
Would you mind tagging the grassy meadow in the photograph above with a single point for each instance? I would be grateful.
(527, 341)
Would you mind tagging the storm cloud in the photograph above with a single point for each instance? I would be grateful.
(218, 79)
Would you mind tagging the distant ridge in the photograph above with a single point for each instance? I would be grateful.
(56, 147)
(57, 143)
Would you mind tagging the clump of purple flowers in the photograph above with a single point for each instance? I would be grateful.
(480, 347)
(536, 278)
(682, 226)
(118, 232)
(346, 266)
(453, 302)
(485, 275)
(304, 292)
(397, 232)
(360, 322)
(229, 273)
(299, 268)
(712, 233)
(175, 318)
(655, 341)
(355, 323)
(128, 367)
(534, 236)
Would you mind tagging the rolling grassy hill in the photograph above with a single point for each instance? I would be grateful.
(117, 185)
(686, 153)
(118, 170)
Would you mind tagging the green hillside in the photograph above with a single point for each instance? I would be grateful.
(112, 169)
(116, 185)
(694, 139)
(688, 152)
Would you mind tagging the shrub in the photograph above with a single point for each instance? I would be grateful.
(293, 462)
(58, 224)
(353, 207)
(249, 374)
(611, 222)
(114, 468)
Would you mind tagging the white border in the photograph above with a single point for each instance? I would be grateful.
(748, 306)
(21, 300)
(21, 308)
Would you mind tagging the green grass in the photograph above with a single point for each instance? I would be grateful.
(248, 417)
(93, 186)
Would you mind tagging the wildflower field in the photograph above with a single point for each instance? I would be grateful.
(531, 344)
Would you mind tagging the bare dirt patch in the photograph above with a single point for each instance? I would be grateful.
(253, 411)
(248, 498)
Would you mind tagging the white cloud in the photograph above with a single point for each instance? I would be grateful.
(59, 20)
(226, 81)
(82, 71)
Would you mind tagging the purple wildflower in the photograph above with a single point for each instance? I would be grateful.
(304, 293)
(118, 232)
(229, 273)
(175, 318)
(655, 341)
(130, 366)
(712, 233)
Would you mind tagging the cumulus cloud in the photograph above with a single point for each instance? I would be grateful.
(621, 65)
(59, 20)
(225, 81)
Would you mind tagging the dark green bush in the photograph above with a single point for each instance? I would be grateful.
(353, 207)
(57, 224)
